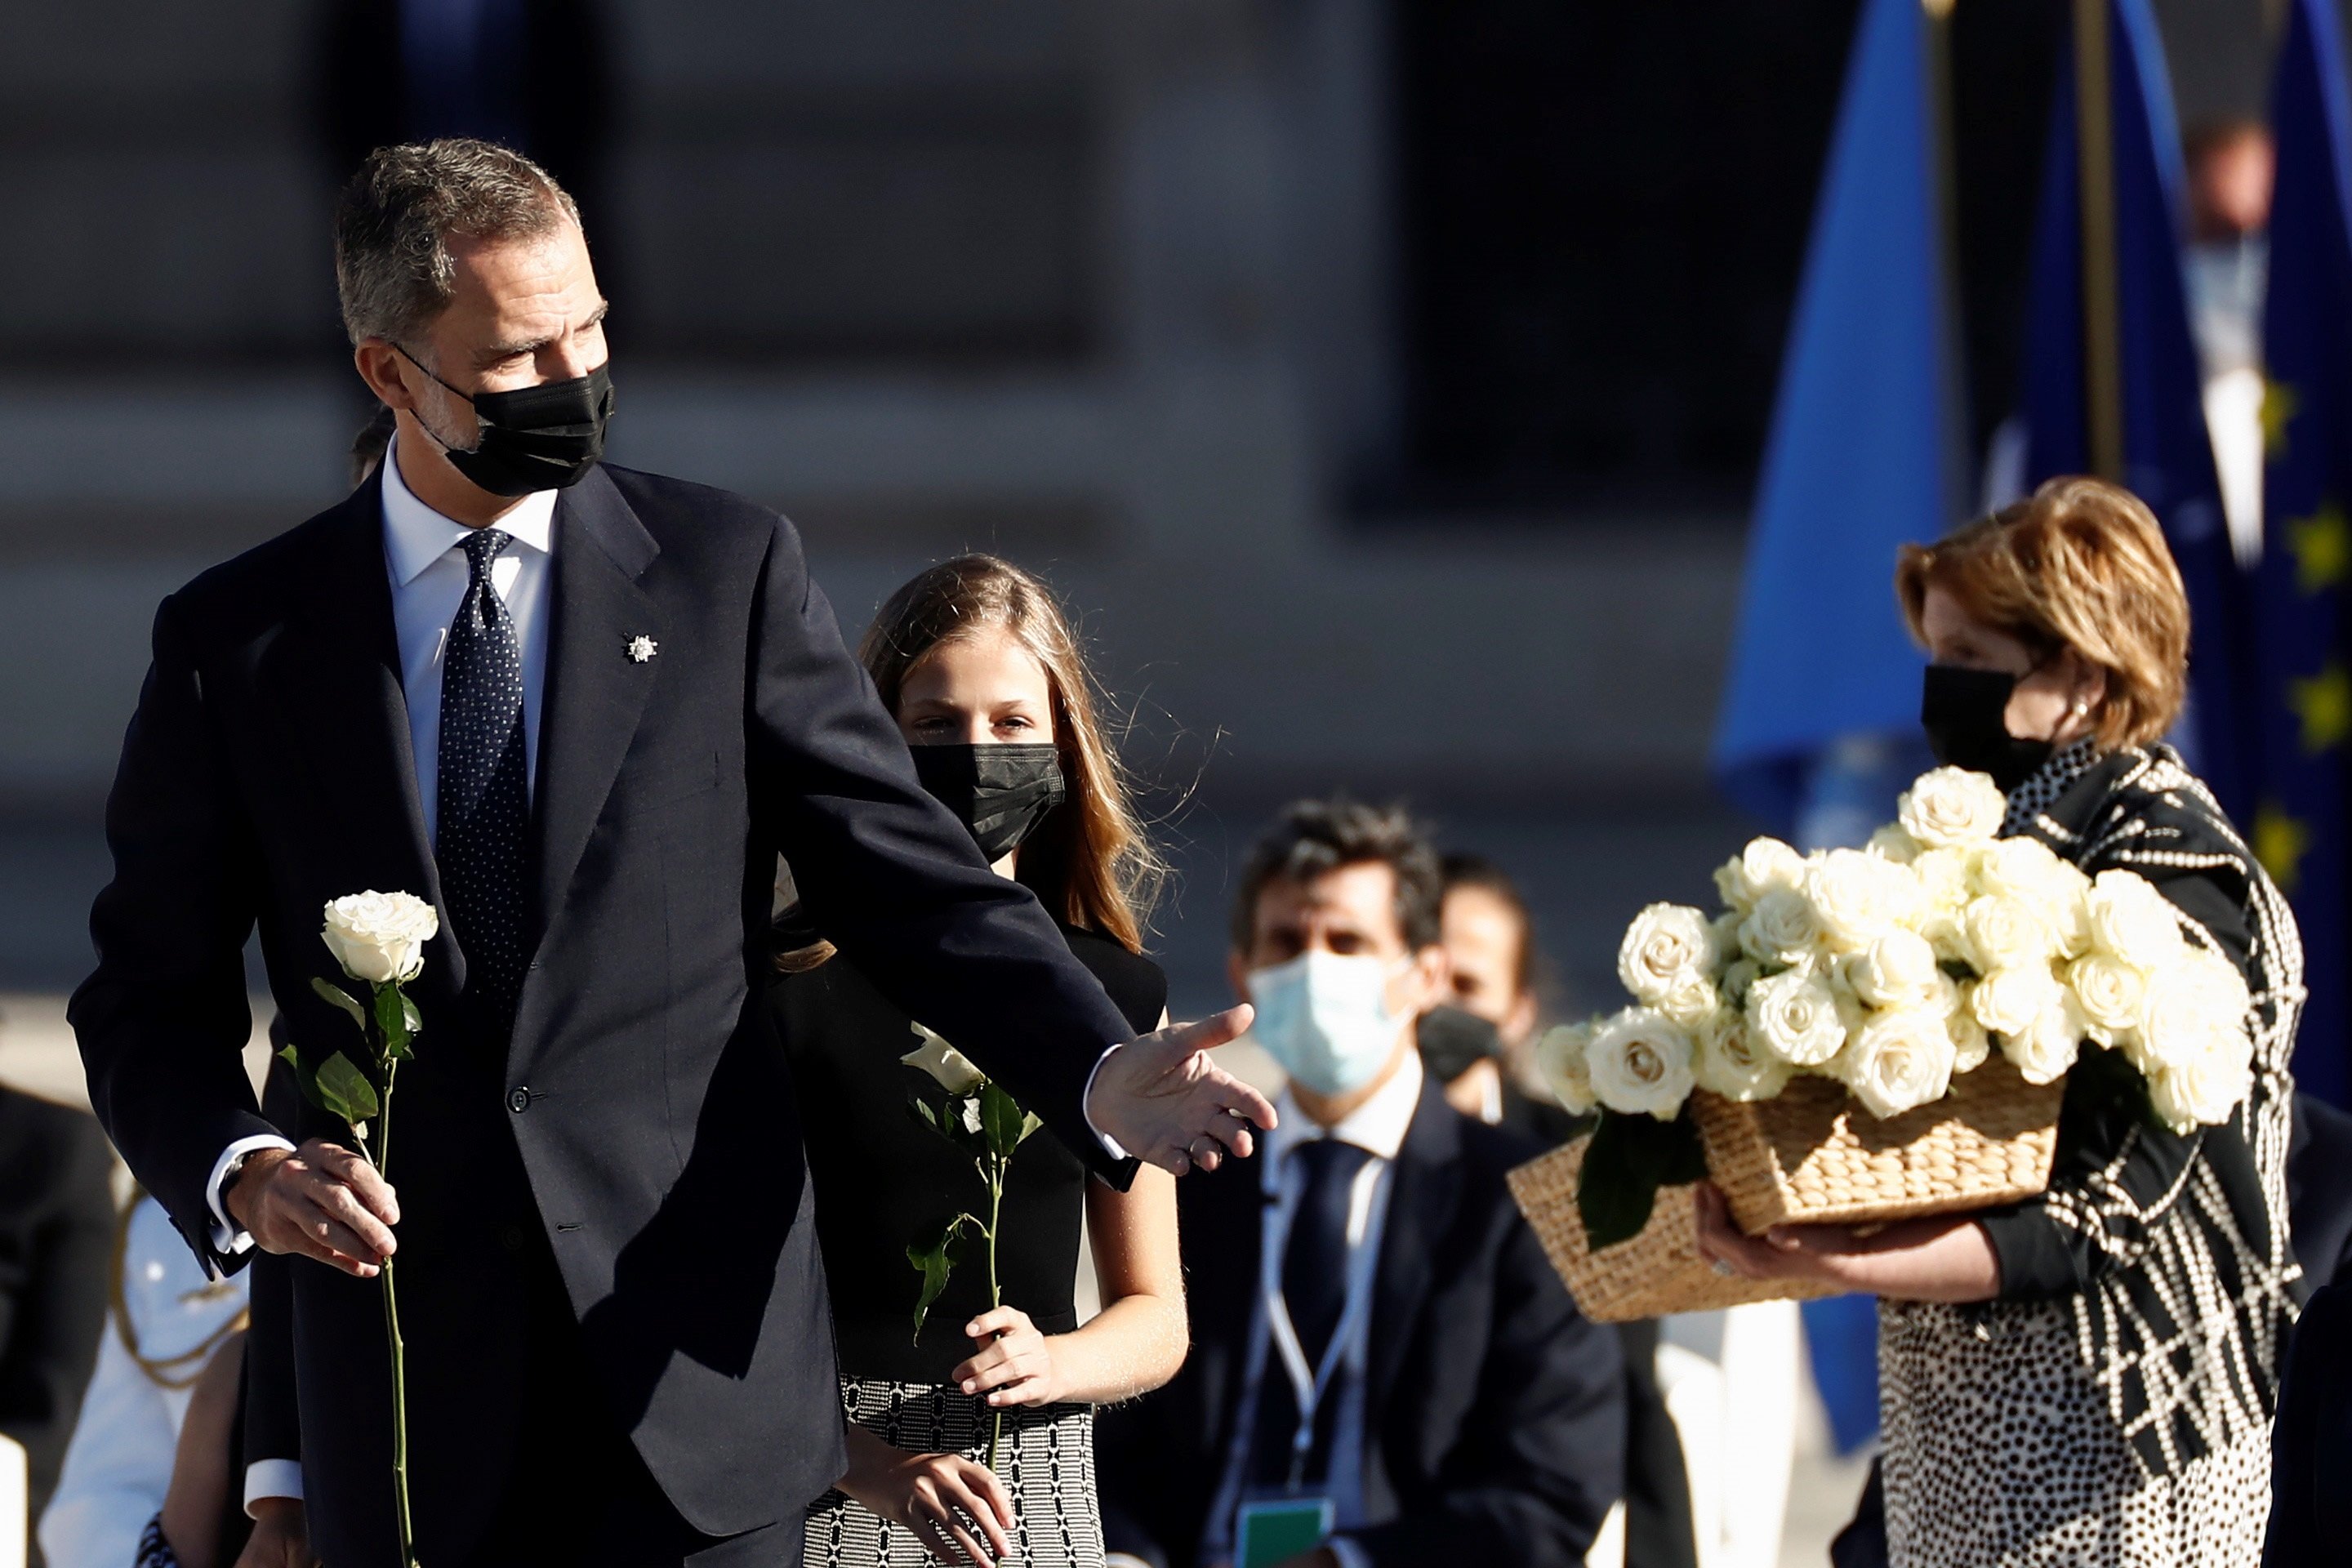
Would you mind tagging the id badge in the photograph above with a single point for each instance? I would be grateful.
(1274, 1529)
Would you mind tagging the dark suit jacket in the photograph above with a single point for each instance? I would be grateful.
(1495, 1415)
(637, 1121)
(2311, 1443)
(2319, 1191)
(57, 1235)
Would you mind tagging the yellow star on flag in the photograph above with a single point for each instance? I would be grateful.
(2322, 544)
(2324, 703)
(2278, 408)
(2280, 843)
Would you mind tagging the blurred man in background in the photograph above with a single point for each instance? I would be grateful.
(1378, 1341)
(57, 1234)
(1491, 957)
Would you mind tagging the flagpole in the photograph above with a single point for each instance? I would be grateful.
(2102, 333)
(1943, 156)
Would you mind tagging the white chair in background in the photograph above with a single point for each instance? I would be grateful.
(14, 1527)
(1732, 1382)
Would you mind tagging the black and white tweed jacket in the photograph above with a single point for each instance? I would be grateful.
(2172, 1250)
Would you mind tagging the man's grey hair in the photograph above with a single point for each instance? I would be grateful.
(394, 221)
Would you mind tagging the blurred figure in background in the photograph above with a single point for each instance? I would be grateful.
(1490, 949)
(2233, 165)
(533, 75)
(164, 1325)
(56, 1231)
(1385, 1371)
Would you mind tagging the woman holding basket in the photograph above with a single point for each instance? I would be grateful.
(2087, 1376)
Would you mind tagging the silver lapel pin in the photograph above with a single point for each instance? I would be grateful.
(641, 650)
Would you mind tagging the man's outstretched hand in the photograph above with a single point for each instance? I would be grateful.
(1164, 1101)
(319, 1201)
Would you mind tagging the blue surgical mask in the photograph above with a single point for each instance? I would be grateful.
(1325, 1018)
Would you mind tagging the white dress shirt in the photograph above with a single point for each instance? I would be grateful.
(1377, 1126)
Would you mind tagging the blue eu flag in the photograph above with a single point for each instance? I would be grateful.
(1863, 452)
(2306, 710)
(2167, 452)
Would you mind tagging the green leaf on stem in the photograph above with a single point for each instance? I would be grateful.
(409, 1016)
(330, 992)
(391, 1022)
(1628, 1159)
(344, 1091)
(1002, 1122)
(934, 1263)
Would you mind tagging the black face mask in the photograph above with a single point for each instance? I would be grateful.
(542, 438)
(1000, 793)
(1964, 713)
(1452, 1041)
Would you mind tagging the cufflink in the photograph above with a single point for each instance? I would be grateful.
(641, 650)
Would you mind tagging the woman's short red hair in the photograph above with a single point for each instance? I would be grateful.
(2081, 564)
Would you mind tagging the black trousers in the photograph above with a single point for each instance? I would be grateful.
(577, 1491)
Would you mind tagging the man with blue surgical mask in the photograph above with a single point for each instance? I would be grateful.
(1385, 1371)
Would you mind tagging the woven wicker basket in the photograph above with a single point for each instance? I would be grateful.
(1812, 1156)
(1657, 1272)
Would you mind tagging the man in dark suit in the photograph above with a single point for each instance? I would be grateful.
(57, 1232)
(581, 711)
(1373, 1323)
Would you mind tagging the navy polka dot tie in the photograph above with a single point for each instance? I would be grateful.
(483, 796)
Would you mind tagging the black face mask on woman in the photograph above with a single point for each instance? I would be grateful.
(1000, 793)
(1966, 715)
(543, 438)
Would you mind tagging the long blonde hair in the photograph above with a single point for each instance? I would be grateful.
(1091, 861)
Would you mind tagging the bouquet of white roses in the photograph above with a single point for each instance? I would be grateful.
(1890, 969)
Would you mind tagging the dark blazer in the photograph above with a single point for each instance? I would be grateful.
(2310, 1445)
(56, 1237)
(2319, 1191)
(637, 1122)
(1494, 1418)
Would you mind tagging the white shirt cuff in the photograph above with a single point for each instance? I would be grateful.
(272, 1478)
(228, 1238)
(1085, 1109)
(1351, 1555)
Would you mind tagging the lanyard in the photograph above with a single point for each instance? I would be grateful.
(1309, 1389)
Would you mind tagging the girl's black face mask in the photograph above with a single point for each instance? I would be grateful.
(1000, 793)
(1966, 715)
(543, 438)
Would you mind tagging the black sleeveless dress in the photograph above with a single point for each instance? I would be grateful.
(882, 1181)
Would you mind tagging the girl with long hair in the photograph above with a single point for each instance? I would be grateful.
(989, 686)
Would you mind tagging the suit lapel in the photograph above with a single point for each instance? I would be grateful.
(1424, 1189)
(596, 692)
(348, 717)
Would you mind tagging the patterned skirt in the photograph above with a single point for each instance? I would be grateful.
(2000, 1453)
(1046, 1460)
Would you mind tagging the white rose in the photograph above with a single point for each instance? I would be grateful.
(1665, 948)
(1951, 807)
(1945, 884)
(1728, 1063)
(2005, 932)
(2132, 921)
(1970, 1043)
(1640, 1064)
(1559, 1060)
(2022, 867)
(952, 1070)
(2190, 1001)
(1781, 928)
(1794, 1015)
(2204, 1088)
(2111, 994)
(1765, 864)
(1854, 897)
(2007, 1001)
(2067, 908)
(1898, 970)
(380, 937)
(1899, 1062)
(1892, 843)
(1688, 1002)
(2045, 1051)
